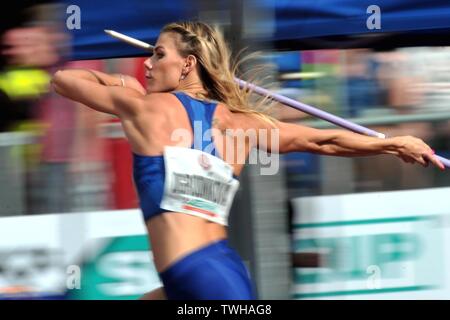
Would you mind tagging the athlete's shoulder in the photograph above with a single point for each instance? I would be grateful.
(245, 120)
(160, 97)
(235, 119)
(160, 101)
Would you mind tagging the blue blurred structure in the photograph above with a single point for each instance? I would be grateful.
(137, 18)
(364, 91)
(297, 24)
(309, 19)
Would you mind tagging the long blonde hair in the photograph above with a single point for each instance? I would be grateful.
(217, 71)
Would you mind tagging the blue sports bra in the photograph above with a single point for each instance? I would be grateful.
(149, 171)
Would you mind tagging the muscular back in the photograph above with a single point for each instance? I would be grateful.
(160, 119)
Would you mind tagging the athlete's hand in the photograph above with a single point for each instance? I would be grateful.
(414, 150)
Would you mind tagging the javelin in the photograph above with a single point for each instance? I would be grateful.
(282, 99)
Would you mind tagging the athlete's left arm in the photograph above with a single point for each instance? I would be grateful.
(332, 142)
(298, 138)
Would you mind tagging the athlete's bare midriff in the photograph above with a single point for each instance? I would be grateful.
(174, 234)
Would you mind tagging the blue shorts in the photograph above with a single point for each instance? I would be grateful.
(213, 272)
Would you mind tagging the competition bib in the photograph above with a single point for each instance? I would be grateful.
(198, 183)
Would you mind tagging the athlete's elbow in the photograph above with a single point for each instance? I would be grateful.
(56, 79)
(57, 75)
(57, 82)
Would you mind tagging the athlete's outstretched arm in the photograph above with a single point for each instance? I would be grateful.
(98, 91)
(293, 137)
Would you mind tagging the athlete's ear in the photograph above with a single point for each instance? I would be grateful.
(189, 64)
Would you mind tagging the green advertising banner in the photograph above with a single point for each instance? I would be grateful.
(120, 268)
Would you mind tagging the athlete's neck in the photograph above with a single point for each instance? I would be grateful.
(192, 86)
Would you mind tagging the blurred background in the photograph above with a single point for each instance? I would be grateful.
(321, 228)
